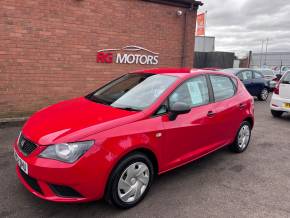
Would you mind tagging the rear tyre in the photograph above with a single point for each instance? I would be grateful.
(130, 181)
(243, 138)
(264, 95)
(276, 113)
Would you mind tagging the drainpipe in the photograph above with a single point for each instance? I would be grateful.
(184, 39)
(188, 39)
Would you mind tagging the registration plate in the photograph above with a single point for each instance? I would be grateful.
(287, 105)
(21, 163)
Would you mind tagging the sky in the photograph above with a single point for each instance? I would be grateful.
(242, 25)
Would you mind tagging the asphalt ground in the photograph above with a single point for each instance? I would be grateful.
(253, 184)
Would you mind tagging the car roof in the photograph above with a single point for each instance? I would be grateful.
(263, 69)
(179, 72)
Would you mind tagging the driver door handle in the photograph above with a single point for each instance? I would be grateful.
(210, 114)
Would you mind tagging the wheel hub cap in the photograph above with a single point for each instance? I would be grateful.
(133, 182)
(244, 137)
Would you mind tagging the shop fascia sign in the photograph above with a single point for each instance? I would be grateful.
(131, 54)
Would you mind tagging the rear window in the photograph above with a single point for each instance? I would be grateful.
(286, 79)
(258, 75)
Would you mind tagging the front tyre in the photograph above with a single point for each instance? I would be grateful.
(243, 138)
(264, 95)
(130, 181)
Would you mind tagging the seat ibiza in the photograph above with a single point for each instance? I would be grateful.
(112, 143)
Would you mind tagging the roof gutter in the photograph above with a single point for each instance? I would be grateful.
(191, 4)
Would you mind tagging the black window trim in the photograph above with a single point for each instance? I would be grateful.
(231, 79)
(210, 93)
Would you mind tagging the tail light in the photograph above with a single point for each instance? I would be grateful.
(277, 89)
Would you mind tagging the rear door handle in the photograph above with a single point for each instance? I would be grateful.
(210, 114)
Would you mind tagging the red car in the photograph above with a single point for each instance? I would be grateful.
(113, 142)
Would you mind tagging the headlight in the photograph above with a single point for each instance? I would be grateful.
(67, 152)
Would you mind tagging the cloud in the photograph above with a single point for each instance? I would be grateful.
(241, 25)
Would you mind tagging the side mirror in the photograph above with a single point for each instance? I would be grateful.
(177, 109)
(278, 76)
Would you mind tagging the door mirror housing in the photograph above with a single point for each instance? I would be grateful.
(177, 109)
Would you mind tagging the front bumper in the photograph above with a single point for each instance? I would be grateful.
(277, 103)
(56, 181)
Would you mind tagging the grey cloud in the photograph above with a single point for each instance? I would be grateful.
(242, 24)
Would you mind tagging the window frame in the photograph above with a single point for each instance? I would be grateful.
(231, 79)
(167, 103)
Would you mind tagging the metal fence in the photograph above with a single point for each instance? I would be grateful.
(278, 61)
(214, 59)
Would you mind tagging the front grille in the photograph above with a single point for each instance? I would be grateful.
(26, 146)
(31, 181)
(65, 191)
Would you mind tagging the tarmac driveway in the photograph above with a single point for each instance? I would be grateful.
(253, 184)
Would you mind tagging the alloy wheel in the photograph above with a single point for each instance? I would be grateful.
(264, 94)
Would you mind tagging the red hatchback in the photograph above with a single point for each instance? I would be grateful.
(113, 142)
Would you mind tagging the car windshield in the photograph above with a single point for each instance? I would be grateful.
(133, 91)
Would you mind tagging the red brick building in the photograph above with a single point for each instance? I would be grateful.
(49, 49)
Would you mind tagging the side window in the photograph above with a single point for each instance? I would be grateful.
(193, 92)
(223, 87)
(245, 75)
(258, 75)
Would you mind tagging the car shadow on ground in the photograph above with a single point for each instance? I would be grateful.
(163, 182)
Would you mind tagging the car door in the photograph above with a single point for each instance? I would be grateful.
(226, 109)
(259, 83)
(285, 86)
(187, 135)
(246, 76)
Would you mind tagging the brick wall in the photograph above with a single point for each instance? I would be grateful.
(48, 48)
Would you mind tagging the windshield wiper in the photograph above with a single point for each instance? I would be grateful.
(98, 100)
(128, 108)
